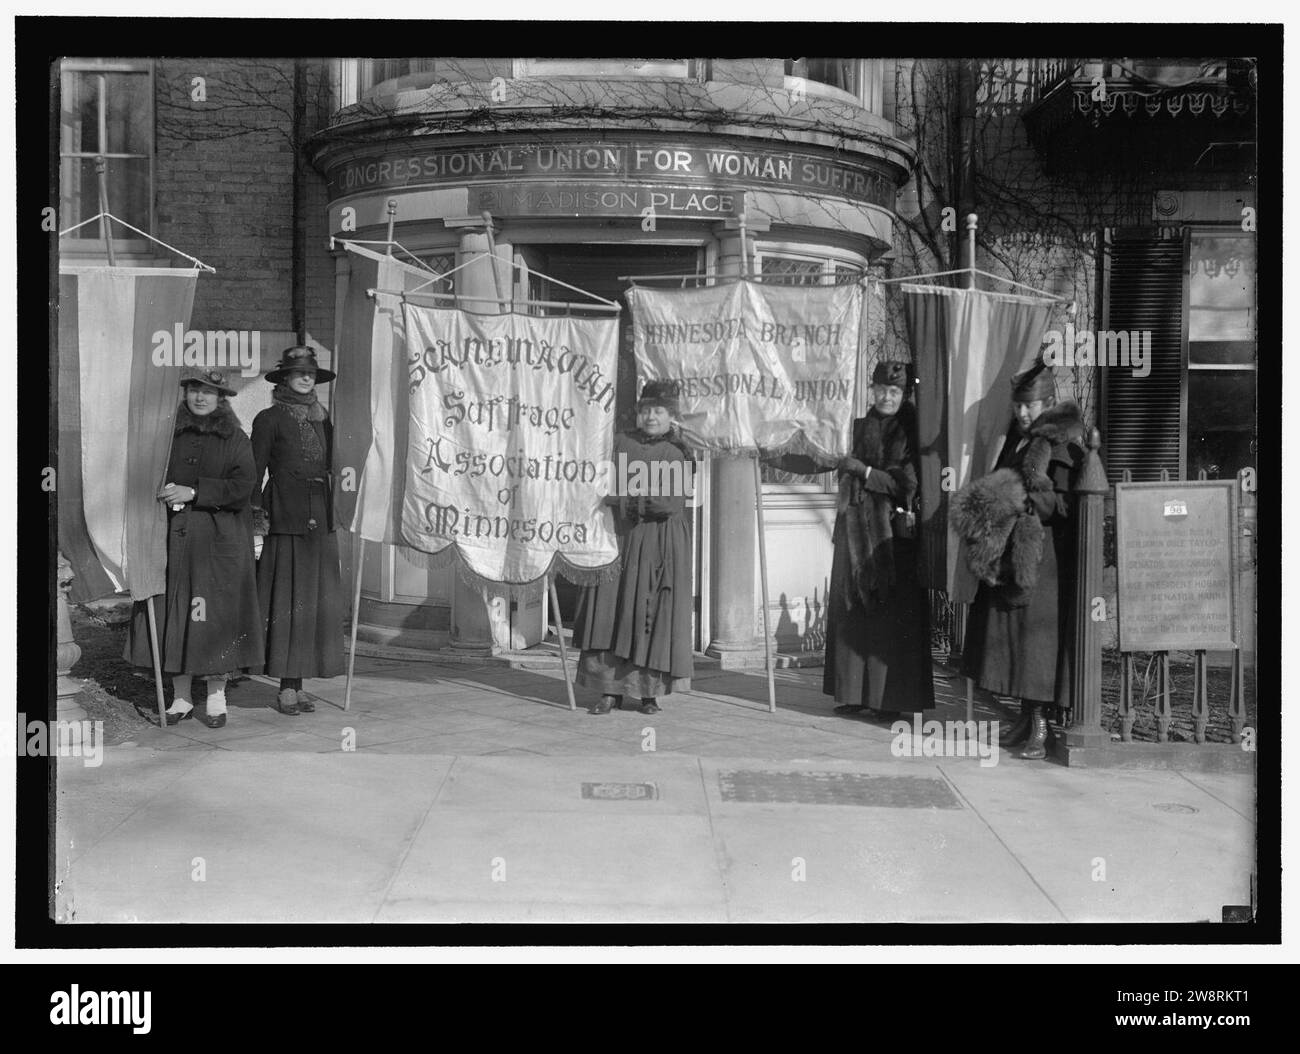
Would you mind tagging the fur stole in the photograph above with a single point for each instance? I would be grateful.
(222, 422)
(1051, 437)
(1004, 539)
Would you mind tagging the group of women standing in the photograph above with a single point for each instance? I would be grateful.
(282, 615)
(224, 610)
(634, 632)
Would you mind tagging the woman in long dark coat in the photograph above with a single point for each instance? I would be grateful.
(298, 573)
(877, 627)
(1017, 634)
(635, 631)
(208, 620)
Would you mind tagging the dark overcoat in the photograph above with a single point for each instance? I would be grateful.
(278, 446)
(877, 626)
(1018, 640)
(208, 619)
(298, 576)
(644, 616)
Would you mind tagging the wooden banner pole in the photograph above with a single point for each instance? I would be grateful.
(559, 636)
(101, 170)
(358, 561)
(157, 663)
(762, 572)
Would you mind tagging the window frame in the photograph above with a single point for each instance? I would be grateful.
(869, 74)
(91, 246)
(1190, 231)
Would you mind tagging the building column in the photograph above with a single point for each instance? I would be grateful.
(733, 549)
(480, 621)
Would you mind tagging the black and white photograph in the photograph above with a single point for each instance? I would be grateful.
(698, 492)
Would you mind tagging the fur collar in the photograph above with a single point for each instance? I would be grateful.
(1062, 423)
(221, 422)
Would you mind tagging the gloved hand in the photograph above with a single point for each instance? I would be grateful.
(853, 466)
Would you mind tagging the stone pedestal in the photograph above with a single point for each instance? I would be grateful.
(1084, 741)
(67, 652)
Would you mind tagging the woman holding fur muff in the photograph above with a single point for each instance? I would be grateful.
(877, 628)
(1019, 535)
(208, 621)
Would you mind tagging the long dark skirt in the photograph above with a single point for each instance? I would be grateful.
(1024, 651)
(301, 596)
(208, 620)
(880, 658)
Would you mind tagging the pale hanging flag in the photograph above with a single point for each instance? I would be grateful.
(118, 394)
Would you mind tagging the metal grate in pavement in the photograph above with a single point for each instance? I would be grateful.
(837, 788)
(620, 791)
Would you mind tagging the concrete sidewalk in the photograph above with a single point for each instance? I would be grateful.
(472, 793)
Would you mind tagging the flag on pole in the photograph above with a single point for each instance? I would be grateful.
(372, 400)
(118, 393)
(966, 345)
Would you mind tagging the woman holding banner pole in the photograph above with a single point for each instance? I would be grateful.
(877, 630)
(298, 574)
(207, 619)
(635, 631)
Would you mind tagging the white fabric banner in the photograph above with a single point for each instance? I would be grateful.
(508, 448)
(759, 365)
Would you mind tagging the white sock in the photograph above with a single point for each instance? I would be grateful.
(217, 695)
(181, 694)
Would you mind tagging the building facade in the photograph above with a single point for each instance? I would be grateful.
(1132, 205)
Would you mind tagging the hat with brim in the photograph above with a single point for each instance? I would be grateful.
(211, 378)
(1037, 382)
(299, 358)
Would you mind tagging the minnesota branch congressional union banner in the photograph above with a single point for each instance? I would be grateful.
(507, 454)
(760, 366)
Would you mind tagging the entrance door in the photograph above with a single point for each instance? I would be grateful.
(596, 268)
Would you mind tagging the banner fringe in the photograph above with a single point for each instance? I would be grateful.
(559, 566)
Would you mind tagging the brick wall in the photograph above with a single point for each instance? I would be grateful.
(223, 185)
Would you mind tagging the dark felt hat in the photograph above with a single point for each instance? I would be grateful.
(299, 358)
(894, 373)
(1037, 382)
(202, 375)
(660, 393)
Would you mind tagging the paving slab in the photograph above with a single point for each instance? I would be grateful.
(473, 866)
(793, 862)
(1124, 846)
(308, 838)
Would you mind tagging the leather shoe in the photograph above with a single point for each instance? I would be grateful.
(649, 706)
(1018, 731)
(287, 702)
(176, 719)
(213, 722)
(1036, 745)
(603, 706)
(305, 705)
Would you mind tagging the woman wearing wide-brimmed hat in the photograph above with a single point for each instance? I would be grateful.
(298, 573)
(208, 618)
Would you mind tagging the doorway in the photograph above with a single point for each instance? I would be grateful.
(596, 268)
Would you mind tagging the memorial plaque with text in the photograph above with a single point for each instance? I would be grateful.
(1176, 544)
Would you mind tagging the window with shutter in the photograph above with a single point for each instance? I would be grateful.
(1143, 415)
